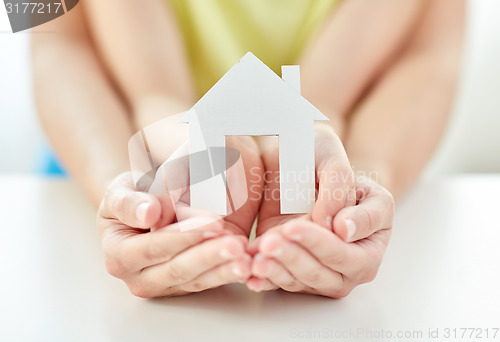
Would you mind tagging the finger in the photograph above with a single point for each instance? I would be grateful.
(189, 264)
(136, 252)
(374, 211)
(244, 182)
(271, 202)
(133, 208)
(335, 177)
(258, 284)
(184, 213)
(253, 246)
(275, 273)
(236, 271)
(300, 263)
(324, 245)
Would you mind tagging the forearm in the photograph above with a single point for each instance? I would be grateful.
(397, 126)
(141, 46)
(396, 129)
(97, 82)
(85, 120)
(351, 50)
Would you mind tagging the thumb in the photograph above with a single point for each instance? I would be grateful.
(374, 212)
(134, 208)
(335, 178)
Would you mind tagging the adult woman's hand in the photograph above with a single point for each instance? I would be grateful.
(144, 246)
(302, 256)
(165, 261)
(339, 245)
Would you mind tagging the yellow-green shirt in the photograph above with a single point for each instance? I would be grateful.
(218, 33)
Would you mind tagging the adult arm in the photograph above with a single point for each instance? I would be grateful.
(78, 105)
(387, 85)
(101, 72)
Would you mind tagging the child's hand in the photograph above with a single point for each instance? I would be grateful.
(301, 255)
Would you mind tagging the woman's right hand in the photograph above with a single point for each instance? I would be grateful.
(165, 261)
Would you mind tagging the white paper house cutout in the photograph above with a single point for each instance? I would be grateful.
(250, 99)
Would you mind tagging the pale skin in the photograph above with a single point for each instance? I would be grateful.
(383, 71)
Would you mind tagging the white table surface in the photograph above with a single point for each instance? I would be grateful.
(441, 271)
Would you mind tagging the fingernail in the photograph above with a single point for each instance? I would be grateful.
(255, 288)
(270, 246)
(258, 257)
(296, 237)
(328, 222)
(237, 272)
(141, 211)
(269, 269)
(351, 229)
(210, 234)
(226, 254)
(276, 252)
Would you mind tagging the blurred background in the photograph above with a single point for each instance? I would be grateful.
(471, 142)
